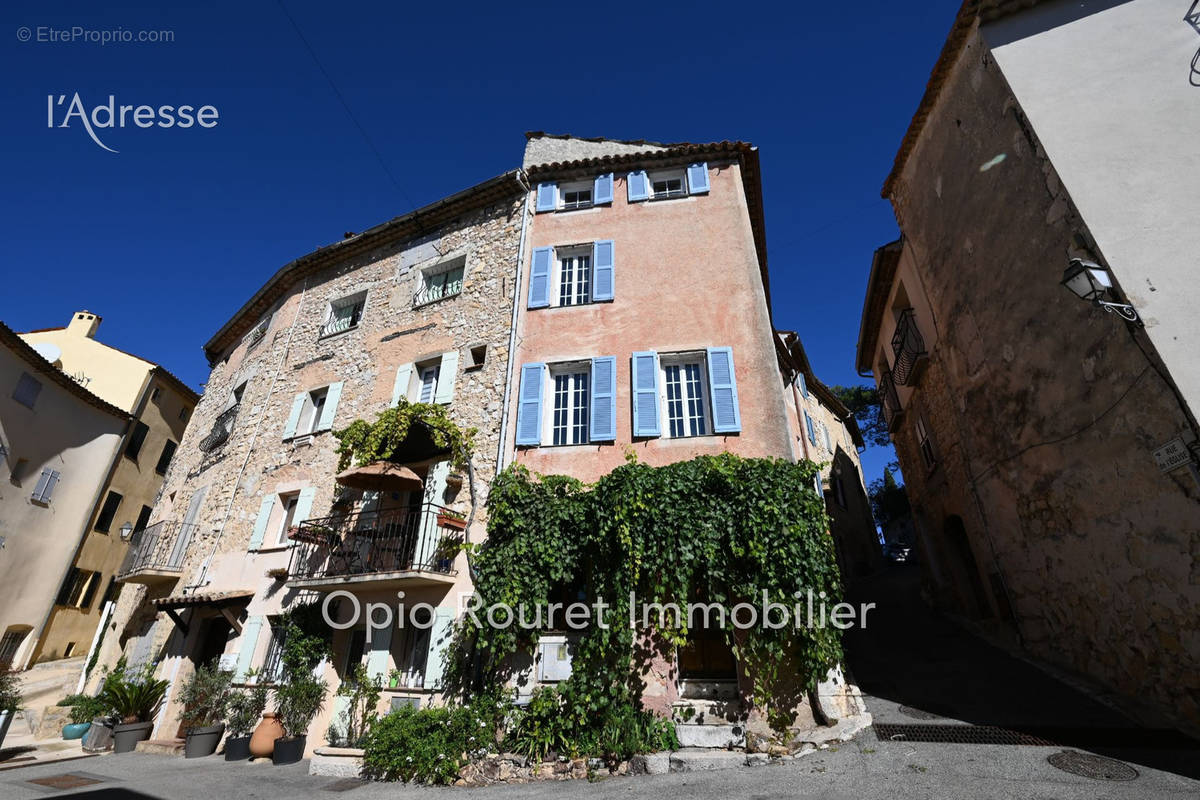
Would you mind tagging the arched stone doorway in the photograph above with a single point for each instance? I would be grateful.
(965, 568)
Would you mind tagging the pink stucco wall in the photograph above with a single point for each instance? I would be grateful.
(686, 277)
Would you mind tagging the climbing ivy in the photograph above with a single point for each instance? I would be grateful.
(715, 529)
(364, 442)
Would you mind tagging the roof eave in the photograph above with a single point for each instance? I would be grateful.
(879, 285)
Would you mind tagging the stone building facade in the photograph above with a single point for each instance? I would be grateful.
(417, 307)
(1026, 421)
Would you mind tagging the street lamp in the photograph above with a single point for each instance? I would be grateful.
(126, 532)
(1089, 281)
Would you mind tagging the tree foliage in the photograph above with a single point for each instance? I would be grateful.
(715, 529)
(863, 402)
(889, 500)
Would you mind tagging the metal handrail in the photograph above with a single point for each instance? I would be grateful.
(161, 546)
(421, 538)
(222, 427)
(908, 347)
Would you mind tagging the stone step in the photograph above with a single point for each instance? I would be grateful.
(704, 760)
(160, 747)
(708, 712)
(710, 736)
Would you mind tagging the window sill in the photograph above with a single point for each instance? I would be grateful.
(576, 305)
(589, 207)
(426, 303)
(403, 690)
(275, 548)
(335, 334)
(665, 198)
(305, 439)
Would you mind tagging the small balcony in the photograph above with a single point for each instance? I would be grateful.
(908, 346)
(156, 553)
(398, 547)
(890, 400)
(222, 427)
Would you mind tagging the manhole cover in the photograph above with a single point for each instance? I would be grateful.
(67, 781)
(917, 713)
(1090, 766)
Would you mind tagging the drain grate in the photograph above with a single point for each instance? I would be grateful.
(344, 785)
(957, 734)
(1090, 766)
(70, 780)
(917, 713)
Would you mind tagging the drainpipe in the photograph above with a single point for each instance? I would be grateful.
(512, 332)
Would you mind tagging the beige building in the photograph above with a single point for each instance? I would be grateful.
(160, 406)
(58, 442)
(1048, 444)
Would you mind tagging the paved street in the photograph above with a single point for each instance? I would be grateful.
(917, 669)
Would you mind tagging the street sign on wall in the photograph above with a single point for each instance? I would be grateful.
(1172, 455)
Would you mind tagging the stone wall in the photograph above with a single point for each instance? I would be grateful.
(1045, 504)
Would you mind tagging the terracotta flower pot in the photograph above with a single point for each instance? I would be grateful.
(262, 743)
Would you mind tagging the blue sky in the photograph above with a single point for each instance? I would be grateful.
(166, 238)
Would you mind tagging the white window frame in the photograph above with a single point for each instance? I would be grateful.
(287, 502)
(272, 665)
(668, 361)
(27, 390)
(575, 187)
(429, 277)
(577, 254)
(410, 653)
(564, 369)
(310, 414)
(333, 324)
(667, 175)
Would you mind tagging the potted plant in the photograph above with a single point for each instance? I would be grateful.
(278, 573)
(85, 709)
(10, 699)
(242, 712)
(134, 700)
(204, 697)
(452, 519)
(448, 548)
(298, 699)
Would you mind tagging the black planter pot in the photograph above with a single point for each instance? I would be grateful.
(203, 741)
(288, 751)
(237, 748)
(126, 736)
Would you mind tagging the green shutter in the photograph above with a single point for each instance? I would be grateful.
(400, 387)
(439, 643)
(332, 395)
(289, 430)
(446, 376)
(249, 641)
(260, 524)
(377, 660)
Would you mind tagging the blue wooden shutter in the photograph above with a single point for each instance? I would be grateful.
(645, 394)
(638, 185)
(249, 640)
(803, 385)
(400, 387)
(303, 505)
(697, 177)
(289, 430)
(812, 434)
(440, 636)
(602, 270)
(260, 524)
(727, 418)
(547, 196)
(447, 374)
(332, 395)
(603, 426)
(529, 404)
(539, 277)
(602, 191)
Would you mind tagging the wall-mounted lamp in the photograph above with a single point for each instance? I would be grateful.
(126, 532)
(1089, 281)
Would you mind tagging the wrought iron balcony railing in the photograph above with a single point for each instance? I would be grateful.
(222, 427)
(159, 548)
(908, 346)
(417, 538)
(890, 400)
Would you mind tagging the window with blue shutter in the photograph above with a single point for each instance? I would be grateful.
(812, 434)
(332, 395)
(722, 383)
(803, 385)
(529, 405)
(644, 369)
(697, 178)
(638, 185)
(400, 385)
(602, 191)
(547, 196)
(604, 399)
(602, 270)
(260, 523)
(539, 277)
(289, 429)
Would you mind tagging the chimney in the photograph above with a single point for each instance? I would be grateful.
(83, 323)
